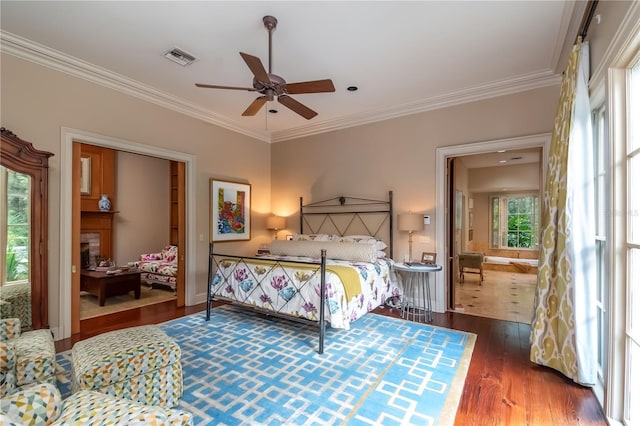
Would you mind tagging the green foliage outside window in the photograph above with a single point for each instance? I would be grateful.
(515, 221)
(18, 216)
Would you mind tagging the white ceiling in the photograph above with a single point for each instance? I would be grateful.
(405, 57)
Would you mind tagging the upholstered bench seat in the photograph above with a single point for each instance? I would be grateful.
(42, 405)
(138, 363)
(25, 357)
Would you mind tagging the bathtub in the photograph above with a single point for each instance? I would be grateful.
(511, 264)
(509, 260)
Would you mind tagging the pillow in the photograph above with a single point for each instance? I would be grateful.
(366, 239)
(311, 237)
(355, 252)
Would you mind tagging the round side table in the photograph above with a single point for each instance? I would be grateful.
(417, 291)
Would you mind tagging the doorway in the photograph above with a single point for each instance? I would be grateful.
(463, 214)
(143, 219)
(69, 276)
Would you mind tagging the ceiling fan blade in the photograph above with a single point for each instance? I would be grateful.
(316, 86)
(215, 86)
(255, 106)
(256, 67)
(297, 107)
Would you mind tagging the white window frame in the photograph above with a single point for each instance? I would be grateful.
(503, 221)
(614, 75)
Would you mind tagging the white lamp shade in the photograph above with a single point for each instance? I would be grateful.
(276, 222)
(410, 222)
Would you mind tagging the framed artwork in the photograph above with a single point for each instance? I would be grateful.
(85, 175)
(428, 258)
(230, 210)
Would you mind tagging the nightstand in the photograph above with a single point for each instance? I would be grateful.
(416, 300)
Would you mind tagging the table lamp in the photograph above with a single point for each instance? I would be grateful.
(275, 223)
(410, 222)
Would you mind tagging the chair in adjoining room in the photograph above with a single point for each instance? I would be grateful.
(25, 357)
(159, 268)
(471, 263)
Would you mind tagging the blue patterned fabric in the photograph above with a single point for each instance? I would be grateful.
(241, 368)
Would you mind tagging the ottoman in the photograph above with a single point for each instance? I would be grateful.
(138, 363)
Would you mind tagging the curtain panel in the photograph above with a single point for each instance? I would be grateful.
(563, 330)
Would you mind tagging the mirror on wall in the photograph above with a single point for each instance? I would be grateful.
(23, 232)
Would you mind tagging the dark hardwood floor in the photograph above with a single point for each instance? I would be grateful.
(502, 387)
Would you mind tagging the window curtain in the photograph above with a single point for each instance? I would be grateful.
(563, 330)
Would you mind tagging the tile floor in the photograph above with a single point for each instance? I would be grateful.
(503, 295)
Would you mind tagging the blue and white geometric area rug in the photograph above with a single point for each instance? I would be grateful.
(243, 368)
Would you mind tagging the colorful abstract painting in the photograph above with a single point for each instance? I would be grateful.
(230, 211)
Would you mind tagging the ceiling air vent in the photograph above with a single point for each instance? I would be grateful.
(179, 56)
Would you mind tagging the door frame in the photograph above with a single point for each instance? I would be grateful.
(67, 274)
(542, 140)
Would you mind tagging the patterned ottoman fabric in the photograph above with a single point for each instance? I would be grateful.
(35, 358)
(25, 358)
(42, 405)
(38, 405)
(137, 363)
(90, 407)
(19, 297)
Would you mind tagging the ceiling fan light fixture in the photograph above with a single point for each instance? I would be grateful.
(272, 86)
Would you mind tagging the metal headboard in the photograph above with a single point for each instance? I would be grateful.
(348, 216)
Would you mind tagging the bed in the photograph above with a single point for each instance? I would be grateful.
(340, 255)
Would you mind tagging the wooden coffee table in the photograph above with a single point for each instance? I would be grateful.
(105, 285)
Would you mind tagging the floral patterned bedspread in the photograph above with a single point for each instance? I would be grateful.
(282, 286)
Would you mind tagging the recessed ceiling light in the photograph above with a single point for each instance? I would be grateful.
(273, 111)
(352, 88)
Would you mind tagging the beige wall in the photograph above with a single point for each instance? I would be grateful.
(399, 155)
(37, 101)
(142, 186)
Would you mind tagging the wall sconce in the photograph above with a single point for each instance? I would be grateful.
(275, 223)
(410, 222)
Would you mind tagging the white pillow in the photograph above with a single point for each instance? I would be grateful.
(355, 252)
(311, 237)
(366, 239)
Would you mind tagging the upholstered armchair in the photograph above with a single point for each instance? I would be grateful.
(25, 357)
(42, 404)
(159, 268)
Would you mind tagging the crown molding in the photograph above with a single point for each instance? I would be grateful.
(34, 52)
(477, 93)
(42, 55)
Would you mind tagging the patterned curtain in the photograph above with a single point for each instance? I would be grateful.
(563, 330)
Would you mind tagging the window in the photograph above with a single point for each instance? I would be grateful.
(632, 380)
(602, 206)
(15, 213)
(515, 221)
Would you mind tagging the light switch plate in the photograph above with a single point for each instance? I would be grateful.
(427, 220)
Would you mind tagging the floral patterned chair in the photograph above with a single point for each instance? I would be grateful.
(42, 404)
(159, 268)
(25, 358)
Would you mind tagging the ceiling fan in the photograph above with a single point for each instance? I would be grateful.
(272, 86)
